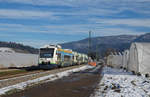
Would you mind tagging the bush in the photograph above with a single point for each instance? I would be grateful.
(133, 72)
(112, 67)
(121, 67)
(15, 90)
(147, 75)
(133, 83)
(138, 74)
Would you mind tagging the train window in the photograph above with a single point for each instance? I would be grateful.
(59, 56)
(67, 58)
(46, 52)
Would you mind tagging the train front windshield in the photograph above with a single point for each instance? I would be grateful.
(46, 52)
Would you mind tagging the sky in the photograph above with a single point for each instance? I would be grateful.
(40, 22)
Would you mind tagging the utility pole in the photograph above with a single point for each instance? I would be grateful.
(89, 46)
(97, 53)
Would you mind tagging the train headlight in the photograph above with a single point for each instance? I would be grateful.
(40, 62)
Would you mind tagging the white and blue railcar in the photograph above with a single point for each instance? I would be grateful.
(53, 56)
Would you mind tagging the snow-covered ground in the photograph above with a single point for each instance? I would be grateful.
(118, 83)
(47, 78)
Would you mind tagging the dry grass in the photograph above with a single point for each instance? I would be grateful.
(11, 72)
(11, 92)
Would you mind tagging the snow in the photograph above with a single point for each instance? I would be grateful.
(47, 78)
(5, 49)
(119, 83)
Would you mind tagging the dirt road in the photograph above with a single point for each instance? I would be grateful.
(79, 84)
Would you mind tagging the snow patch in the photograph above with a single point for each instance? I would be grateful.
(5, 49)
(118, 83)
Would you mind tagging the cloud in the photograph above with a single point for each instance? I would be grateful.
(74, 17)
(114, 31)
(72, 29)
(24, 14)
(87, 12)
(37, 43)
(47, 29)
(72, 2)
(39, 2)
(84, 3)
(78, 8)
(128, 22)
(5, 35)
(4, 27)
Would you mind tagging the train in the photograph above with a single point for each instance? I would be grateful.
(53, 56)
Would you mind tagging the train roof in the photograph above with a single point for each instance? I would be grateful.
(51, 46)
(65, 50)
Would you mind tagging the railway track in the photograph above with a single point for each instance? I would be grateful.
(18, 78)
(78, 84)
(20, 73)
(10, 73)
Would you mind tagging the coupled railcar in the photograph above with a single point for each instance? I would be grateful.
(53, 56)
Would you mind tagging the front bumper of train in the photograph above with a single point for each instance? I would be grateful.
(47, 66)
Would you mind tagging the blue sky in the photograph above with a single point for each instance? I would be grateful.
(39, 22)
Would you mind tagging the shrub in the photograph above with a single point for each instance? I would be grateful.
(15, 90)
(106, 87)
(133, 83)
(138, 74)
(133, 72)
(147, 75)
(117, 90)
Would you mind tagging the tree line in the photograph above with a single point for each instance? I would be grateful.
(18, 47)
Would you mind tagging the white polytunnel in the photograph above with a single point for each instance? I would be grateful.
(110, 59)
(139, 58)
(10, 58)
(125, 58)
(115, 60)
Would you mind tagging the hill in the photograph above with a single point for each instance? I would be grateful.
(100, 44)
(104, 43)
(143, 38)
